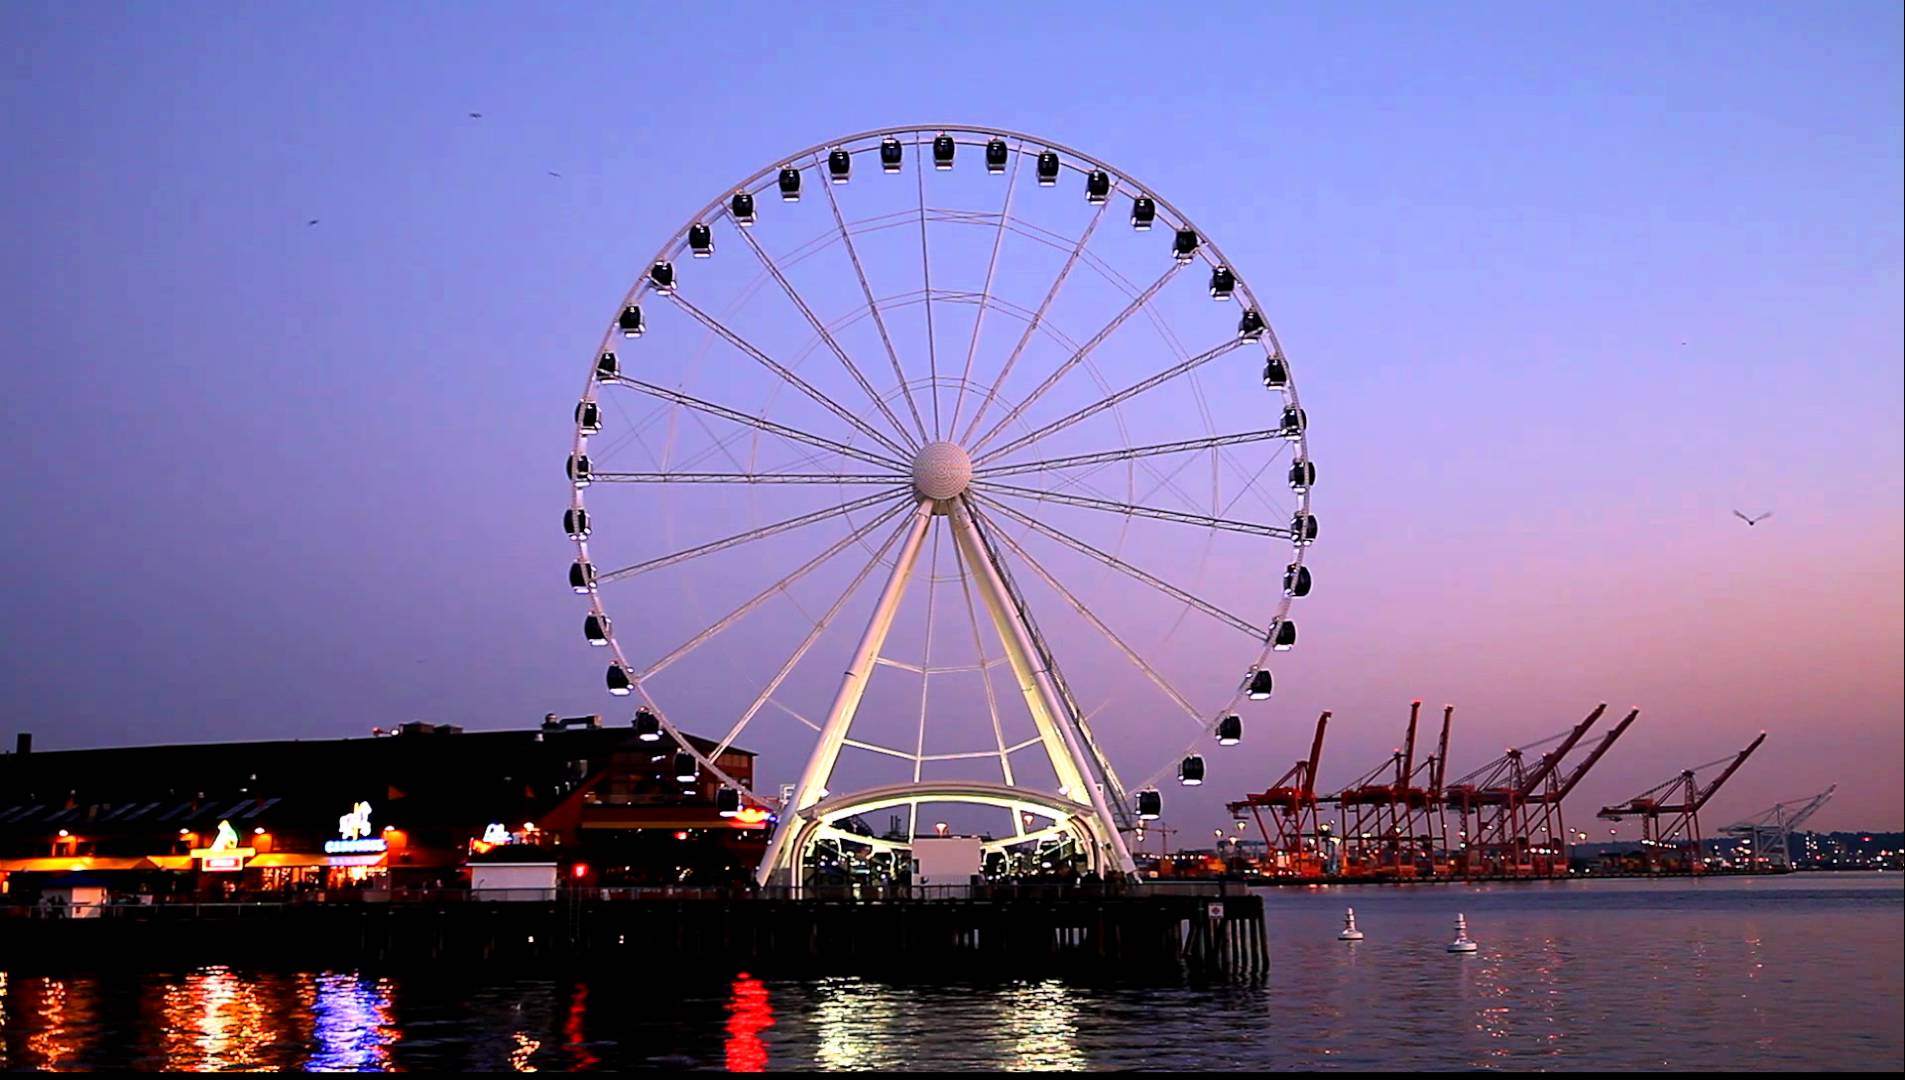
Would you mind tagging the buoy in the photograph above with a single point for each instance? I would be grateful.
(1461, 942)
(1350, 933)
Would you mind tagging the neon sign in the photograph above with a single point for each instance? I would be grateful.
(497, 834)
(225, 853)
(354, 836)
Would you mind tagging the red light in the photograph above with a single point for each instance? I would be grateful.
(750, 815)
(580, 870)
(681, 834)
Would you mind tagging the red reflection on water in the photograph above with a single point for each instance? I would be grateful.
(749, 1014)
(579, 1055)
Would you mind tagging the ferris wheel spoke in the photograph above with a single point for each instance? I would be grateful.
(985, 292)
(786, 374)
(879, 321)
(1129, 570)
(1126, 394)
(1032, 324)
(1133, 509)
(750, 536)
(932, 342)
(1106, 456)
(1085, 350)
(826, 336)
(985, 666)
(757, 422)
(1089, 616)
(807, 643)
(768, 593)
(745, 478)
(926, 653)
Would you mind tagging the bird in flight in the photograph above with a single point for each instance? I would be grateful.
(476, 116)
(1753, 520)
(557, 175)
(313, 221)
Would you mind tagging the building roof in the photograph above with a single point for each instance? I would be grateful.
(417, 777)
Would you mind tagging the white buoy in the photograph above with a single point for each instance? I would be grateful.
(1461, 942)
(1350, 933)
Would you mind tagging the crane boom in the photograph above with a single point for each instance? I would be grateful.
(1553, 757)
(1316, 755)
(1739, 759)
(1600, 748)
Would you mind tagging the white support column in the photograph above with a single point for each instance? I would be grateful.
(1041, 696)
(846, 701)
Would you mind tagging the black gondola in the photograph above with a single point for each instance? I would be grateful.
(1303, 528)
(1047, 168)
(1184, 247)
(1190, 771)
(1230, 730)
(727, 802)
(647, 726)
(790, 185)
(582, 576)
(631, 321)
(1150, 805)
(1276, 374)
(839, 166)
(890, 153)
(1250, 327)
(741, 208)
(588, 417)
(1296, 580)
(1285, 638)
(1261, 684)
(595, 629)
(578, 470)
(686, 768)
(575, 522)
(1097, 186)
(1143, 212)
(619, 682)
(607, 366)
(1293, 422)
(1302, 475)
(1223, 282)
(662, 277)
(943, 152)
(700, 240)
(995, 156)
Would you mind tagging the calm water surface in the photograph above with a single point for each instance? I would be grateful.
(1798, 972)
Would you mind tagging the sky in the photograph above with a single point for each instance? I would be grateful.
(1562, 290)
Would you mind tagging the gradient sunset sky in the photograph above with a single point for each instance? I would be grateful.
(1564, 286)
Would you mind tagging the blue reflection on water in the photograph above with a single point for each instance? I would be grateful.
(351, 1029)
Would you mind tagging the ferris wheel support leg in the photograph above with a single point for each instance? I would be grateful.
(846, 702)
(1041, 696)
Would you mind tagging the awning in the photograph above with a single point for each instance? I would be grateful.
(66, 864)
(287, 859)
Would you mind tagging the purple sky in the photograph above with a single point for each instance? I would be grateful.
(1562, 289)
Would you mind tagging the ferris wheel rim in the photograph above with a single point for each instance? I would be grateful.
(809, 158)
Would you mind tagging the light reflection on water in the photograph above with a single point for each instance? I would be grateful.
(1789, 973)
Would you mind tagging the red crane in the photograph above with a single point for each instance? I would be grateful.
(1679, 800)
(1547, 802)
(1292, 838)
(1491, 806)
(1390, 817)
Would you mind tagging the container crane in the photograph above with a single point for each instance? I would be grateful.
(1491, 805)
(1768, 834)
(1678, 800)
(1293, 840)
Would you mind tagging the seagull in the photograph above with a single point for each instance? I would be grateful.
(1752, 520)
(313, 221)
(476, 116)
(557, 175)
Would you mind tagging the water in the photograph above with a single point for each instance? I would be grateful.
(1806, 971)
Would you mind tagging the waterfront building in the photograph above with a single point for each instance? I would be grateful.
(404, 811)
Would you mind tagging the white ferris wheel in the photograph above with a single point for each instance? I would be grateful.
(925, 453)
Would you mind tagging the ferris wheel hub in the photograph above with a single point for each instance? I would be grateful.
(941, 470)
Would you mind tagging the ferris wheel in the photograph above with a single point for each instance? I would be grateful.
(924, 456)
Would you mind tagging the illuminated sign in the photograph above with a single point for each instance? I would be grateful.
(751, 815)
(497, 834)
(224, 854)
(354, 838)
